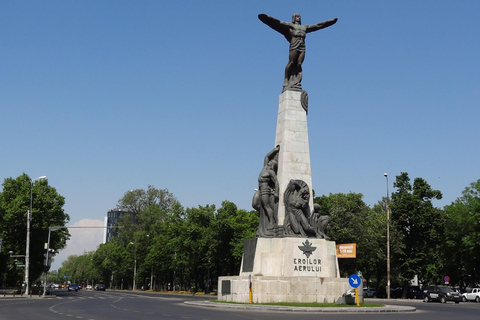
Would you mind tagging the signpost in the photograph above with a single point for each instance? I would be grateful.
(447, 279)
(355, 281)
(250, 297)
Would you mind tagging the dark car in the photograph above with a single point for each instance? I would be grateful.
(414, 292)
(100, 287)
(441, 293)
(73, 287)
(396, 293)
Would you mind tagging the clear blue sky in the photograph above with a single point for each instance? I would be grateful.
(108, 96)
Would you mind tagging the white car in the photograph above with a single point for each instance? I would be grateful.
(471, 295)
(368, 292)
(89, 287)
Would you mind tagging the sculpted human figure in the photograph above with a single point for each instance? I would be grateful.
(296, 199)
(295, 33)
(265, 199)
(320, 222)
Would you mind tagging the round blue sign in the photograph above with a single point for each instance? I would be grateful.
(354, 280)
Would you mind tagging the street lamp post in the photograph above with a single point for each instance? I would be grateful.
(27, 249)
(135, 263)
(50, 229)
(388, 240)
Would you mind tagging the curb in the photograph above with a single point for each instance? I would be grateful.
(19, 297)
(260, 307)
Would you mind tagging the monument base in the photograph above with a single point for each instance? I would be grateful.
(286, 270)
(282, 289)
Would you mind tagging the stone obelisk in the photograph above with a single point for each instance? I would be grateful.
(292, 137)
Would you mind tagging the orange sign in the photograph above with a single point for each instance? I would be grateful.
(347, 250)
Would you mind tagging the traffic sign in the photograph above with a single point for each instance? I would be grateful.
(354, 280)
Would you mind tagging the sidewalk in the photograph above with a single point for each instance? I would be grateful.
(260, 307)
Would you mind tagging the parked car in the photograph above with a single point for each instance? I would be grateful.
(89, 287)
(73, 287)
(396, 293)
(471, 295)
(368, 292)
(100, 287)
(381, 292)
(414, 292)
(441, 293)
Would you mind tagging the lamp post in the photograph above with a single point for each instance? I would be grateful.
(388, 240)
(27, 249)
(135, 264)
(50, 229)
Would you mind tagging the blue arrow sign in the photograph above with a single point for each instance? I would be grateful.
(354, 280)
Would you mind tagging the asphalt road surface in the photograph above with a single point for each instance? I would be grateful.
(124, 305)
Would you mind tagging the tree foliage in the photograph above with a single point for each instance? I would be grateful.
(47, 211)
(462, 230)
(171, 245)
(419, 225)
(352, 221)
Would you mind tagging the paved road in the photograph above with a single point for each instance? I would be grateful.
(121, 305)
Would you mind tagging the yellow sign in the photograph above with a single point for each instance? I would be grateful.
(347, 250)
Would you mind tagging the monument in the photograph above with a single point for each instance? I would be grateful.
(291, 259)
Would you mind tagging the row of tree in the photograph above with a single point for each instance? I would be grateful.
(165, 246)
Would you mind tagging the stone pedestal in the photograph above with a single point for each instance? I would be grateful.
(286, 270)
(282, 289)
(290, 257)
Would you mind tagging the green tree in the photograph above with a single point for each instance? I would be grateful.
(461, 250)
(162, 253)
(231, 227)
(78, 269)
(348, 218)
(197, 252)
(420, 226)
(143, 229)
(47, 211)
(143, 201)
(114, 259)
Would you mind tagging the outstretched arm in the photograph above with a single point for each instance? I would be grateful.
(271, 155)
(321, 25)
(275, 24)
